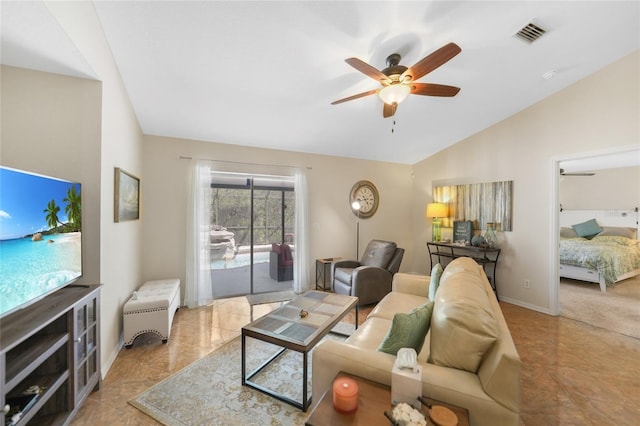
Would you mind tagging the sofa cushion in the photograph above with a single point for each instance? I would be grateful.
(408, 330)
(378, 253)
(463, 327)
(395, 302)
(370, 334)
(434, 281)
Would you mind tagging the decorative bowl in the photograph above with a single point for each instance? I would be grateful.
(405, 415)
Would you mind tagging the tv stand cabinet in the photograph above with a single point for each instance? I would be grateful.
(52, 348)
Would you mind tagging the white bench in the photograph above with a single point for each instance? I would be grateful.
(151, 310)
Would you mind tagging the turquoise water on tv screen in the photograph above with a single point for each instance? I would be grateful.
(30, 269)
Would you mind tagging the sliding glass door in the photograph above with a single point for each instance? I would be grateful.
(252, 225)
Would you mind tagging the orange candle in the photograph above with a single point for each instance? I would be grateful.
(345, 395)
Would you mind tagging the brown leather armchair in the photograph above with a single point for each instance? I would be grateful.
(370, 278)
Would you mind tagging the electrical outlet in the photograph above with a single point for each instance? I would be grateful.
(526, 284)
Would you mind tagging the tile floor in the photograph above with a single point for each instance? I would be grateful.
(573, 373)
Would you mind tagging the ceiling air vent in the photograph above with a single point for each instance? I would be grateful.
(531, 32)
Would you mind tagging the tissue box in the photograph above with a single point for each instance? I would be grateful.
(406, 386)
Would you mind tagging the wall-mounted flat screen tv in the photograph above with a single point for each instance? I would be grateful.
(40, 237)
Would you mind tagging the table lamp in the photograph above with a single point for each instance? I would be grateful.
(436, 211)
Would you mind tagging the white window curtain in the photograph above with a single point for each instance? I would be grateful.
(301, 282)
(198, 288)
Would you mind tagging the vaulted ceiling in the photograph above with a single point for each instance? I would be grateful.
(264, 73)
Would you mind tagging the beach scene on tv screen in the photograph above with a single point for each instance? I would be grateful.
(40, 236)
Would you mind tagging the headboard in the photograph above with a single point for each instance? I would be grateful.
(623, 218)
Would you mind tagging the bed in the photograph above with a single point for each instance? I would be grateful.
(599, 246)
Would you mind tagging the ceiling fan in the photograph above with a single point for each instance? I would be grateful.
(563, 173)
(398, 81)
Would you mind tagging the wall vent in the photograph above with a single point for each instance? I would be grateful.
(531, 32)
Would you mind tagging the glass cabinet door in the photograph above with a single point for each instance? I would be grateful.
(86, 353)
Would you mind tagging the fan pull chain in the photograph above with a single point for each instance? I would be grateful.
(393, 126)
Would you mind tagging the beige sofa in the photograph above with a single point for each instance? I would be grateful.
(468, 358)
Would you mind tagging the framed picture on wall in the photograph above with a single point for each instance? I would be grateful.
(126, 196)
(462, 231)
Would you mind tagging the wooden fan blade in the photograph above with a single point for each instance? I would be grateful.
(359, 95)
(432, 61)
(428, 89)
(367, 69)
(389, 110)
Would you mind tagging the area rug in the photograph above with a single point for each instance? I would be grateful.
(210, 391)
(617, 310)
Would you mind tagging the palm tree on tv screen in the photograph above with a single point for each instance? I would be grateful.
(52, 214)
(72, 209)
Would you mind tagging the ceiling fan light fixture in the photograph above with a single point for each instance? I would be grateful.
(394, 93)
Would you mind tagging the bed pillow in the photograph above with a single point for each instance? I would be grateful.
(408, 330)
(568, 233)
(615, 231)
(587, 229)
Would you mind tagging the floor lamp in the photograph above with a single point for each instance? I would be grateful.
(436, 211)
(356, 206)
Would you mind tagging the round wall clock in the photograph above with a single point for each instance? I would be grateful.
(367, 194)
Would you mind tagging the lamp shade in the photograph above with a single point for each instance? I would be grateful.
(394, 93)
(436, 210)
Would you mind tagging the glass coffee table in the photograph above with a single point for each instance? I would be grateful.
(297, 326)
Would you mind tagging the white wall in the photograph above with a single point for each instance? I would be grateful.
(602, 191)
(51, 126)
(329, 179)
(121, 145)
(598, 113)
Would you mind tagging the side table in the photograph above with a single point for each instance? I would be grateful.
(323, 272)
(373, 400)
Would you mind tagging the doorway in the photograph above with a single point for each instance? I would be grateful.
(627, 156)
(252, 225)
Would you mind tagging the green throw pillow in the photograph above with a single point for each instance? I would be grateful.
(587, 229)
(408, 330)
(436, 273)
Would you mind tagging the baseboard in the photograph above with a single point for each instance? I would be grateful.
(105, 365)
(527, 305)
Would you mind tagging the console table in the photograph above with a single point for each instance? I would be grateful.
(483, 256)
